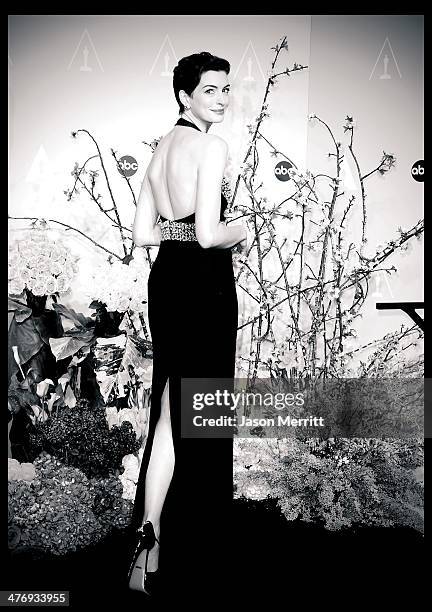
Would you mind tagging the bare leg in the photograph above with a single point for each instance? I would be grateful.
(159, 475)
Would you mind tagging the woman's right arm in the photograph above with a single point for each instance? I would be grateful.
(211, 232)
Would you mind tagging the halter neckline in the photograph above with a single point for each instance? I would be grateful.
(187, 123)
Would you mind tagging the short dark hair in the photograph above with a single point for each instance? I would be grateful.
(187, 73)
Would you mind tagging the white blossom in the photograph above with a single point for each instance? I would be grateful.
(37, 263)
(121, 287)
(129, 488)
(112, 416)
(131, 467)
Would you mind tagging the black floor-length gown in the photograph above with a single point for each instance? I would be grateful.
(192, 309)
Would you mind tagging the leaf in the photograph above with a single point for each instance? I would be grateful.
(97, 304)
(65, 392)
(115, 358)
(83, 354)
(78, 318)
(22, 398)
(68, 345)
(26, 337)
(22, 311)
(48, 325)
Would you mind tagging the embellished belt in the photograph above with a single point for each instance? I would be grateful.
(178, 230)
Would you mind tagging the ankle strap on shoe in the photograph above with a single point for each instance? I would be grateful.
(141, 529)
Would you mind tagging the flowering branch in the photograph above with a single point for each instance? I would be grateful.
(335, 287)
(100, 246)
(114, 205)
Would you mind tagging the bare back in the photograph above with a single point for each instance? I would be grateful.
(173, 171)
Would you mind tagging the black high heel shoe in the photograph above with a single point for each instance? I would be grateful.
(139, 578)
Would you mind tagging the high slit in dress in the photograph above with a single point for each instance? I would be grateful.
(193, 317)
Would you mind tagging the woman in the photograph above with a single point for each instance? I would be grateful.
(192, 309)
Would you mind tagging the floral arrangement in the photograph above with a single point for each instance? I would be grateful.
(81, 437)
(62, 510)
(41, 265)
(338, 482)
(121, 286)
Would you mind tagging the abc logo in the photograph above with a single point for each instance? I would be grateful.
(127, 165)
(417, 171)
(281, 170)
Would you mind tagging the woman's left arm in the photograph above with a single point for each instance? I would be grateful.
(145, 231)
